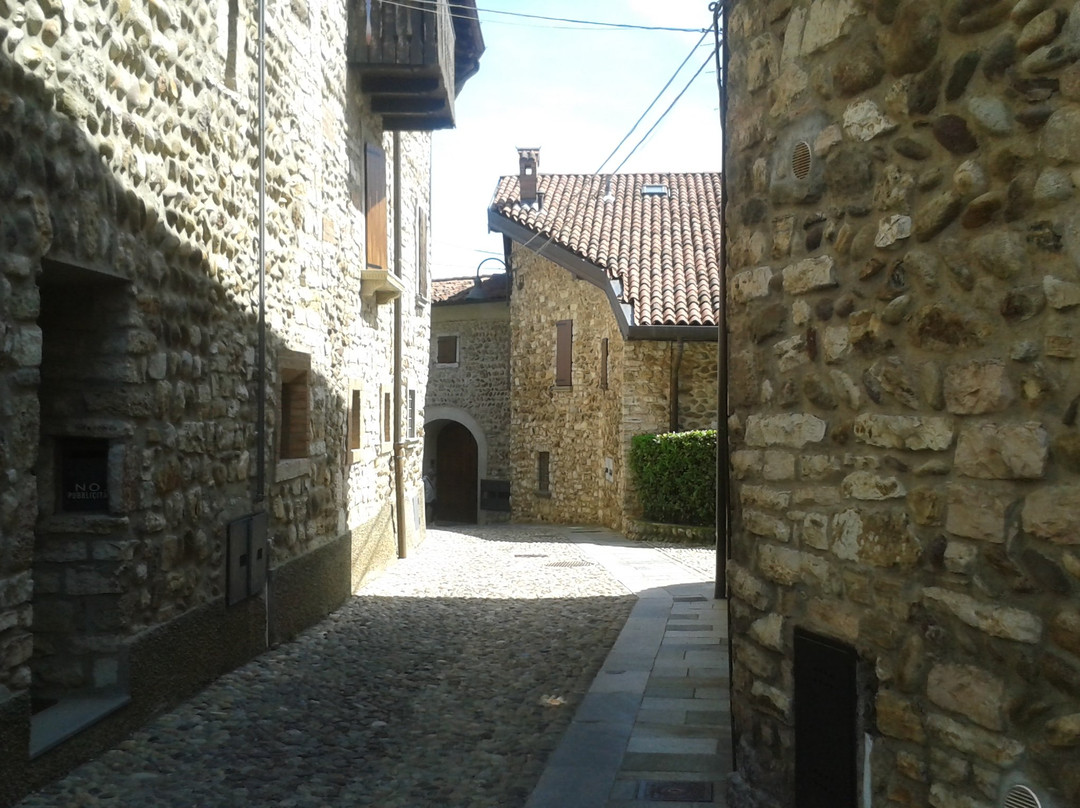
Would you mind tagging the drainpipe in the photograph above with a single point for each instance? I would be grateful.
(260, 348)
(722, 8)
(673, 391)
(399, 444)
(723, 447)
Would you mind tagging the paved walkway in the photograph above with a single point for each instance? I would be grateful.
(655, 727)
(470, 675)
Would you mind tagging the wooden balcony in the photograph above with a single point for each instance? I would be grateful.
(404, 55)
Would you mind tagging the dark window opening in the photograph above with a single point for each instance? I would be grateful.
(543, 472)
(604, 364)
(446, 350)
(354, 420)
(564, 364)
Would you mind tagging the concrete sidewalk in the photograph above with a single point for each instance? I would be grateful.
(654, 728)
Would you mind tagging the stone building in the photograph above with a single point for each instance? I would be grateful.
(467, 409)
(905, 328)
(203, 374)
(613, 301)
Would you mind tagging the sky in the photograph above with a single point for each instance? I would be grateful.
(574, 91)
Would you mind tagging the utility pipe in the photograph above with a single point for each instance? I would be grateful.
(260, 347)
(673, 390)
(723, 447)
(399, 444)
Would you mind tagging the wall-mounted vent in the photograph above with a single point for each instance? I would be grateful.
(654, 190)
(1020, 796)
(802, 160)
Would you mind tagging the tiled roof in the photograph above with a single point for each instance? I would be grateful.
(455, 290)
(664, 249)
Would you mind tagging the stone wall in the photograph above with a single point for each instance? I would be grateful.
(904, 300)
(647, 396)
(128, 314)
(479, 384)
(585, 428)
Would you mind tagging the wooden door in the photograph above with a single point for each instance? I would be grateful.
(455, 475)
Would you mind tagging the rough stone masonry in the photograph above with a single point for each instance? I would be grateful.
(905, 299)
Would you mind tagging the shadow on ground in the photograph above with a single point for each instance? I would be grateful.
(389, 702)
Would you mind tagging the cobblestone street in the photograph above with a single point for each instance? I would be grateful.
(447, 681)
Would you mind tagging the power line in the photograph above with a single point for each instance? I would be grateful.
(665, 112)
(591, 24)
(653, 102)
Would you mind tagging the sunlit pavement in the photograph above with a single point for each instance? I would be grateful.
(654, 728)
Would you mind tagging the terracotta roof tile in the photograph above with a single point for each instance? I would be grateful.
(456, 290)
(664, 249)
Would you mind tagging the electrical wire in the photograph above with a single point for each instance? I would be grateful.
(592, 24)
(663, 115)
(652, 103)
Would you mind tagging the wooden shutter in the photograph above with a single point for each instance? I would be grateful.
(603, 363)
(564, 363)
(375, 204)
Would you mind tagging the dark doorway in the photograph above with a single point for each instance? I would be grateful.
(826, 716)
(455, 474)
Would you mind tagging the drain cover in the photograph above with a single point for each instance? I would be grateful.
(570, 564)
(675, 791)
(530, 555)
(691, 599)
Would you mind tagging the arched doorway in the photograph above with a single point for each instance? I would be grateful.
(455, 474)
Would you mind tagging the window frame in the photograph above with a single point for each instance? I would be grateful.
(457, 350)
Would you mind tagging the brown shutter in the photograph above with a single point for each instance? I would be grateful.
(375, 204)
(603, 363)
(564, 342)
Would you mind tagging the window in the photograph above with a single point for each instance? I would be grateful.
(564, 364)
(446, 350)
(543, 472)
(387, 423)
(375, 205)
(421, 252)
(412, 414)
(354, 423)
(603, 363)
(295, 370)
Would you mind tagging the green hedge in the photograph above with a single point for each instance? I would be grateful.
(675, 475)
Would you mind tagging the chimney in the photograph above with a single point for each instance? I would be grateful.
(529, 163)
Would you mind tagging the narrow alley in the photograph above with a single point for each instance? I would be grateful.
(452, 680)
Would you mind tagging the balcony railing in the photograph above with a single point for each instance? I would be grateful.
(404, 55)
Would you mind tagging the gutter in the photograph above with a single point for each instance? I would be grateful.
(586, 271)
(399, 445)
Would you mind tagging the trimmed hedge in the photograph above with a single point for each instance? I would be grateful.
(675, 475)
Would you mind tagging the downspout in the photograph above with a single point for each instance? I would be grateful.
(723, 446)
(399, 444)
(722, 8)
(260, 347)
(673, 390)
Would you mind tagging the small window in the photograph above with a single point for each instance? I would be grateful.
(603, 363)
(564, 365)
(543, 472)
(295, 370)
(412, 413)
(446, 350)
(375, 206)
(354, 421)
(387, 423)
(421, 252)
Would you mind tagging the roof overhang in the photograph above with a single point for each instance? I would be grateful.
(598, 277)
